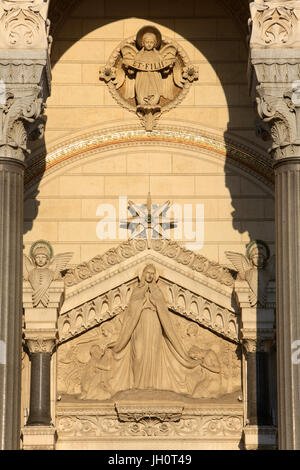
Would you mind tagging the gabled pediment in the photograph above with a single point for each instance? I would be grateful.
(189, 292)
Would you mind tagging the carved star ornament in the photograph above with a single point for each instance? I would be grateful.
(149, 220)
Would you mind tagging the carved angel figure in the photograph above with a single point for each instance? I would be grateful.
(257, 268)
(149, 71)
(40, 270)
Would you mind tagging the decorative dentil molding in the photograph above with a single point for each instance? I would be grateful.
(24, 25)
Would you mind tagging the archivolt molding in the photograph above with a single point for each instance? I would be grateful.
(121, 137)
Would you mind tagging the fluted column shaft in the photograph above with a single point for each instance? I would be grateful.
(287, 181)
(11, 233)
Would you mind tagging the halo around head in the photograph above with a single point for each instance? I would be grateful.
(41, 247)
(148, 29)
(257, 243)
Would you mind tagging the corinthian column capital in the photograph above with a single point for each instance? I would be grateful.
(20, 109)
(279, 107)
(274, 72)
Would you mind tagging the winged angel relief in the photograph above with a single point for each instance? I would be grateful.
(149, 74)
(257, 268)
(41, 269)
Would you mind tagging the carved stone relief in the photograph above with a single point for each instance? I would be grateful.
(149, 75)
(257, 268)
(24, 24)
(130, 248)
(274, 24)
(205, 423)
(147, 347)
(180, 300)
(41, 269)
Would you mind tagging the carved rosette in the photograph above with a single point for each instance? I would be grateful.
(171, 70)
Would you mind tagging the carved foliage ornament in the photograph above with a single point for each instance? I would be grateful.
(273, 24)
(19, 111)
(148, 74)
(130, 248)
(24, 24)
(279, 109)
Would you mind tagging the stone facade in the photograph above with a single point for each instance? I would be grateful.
(150, 205)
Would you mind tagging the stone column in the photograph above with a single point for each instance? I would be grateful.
(40, 357)
(257, 335)
(24, 86)
(275, 83)
(40, 337)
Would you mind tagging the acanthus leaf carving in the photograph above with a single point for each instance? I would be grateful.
(278, 108)
(19, 110)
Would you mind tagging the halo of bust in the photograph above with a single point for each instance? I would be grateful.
(148, 29)
(257, 243)
(41, 247)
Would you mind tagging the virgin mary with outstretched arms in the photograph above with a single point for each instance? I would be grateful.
(148, 352)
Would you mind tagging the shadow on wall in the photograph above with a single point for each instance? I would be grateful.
(245, 218)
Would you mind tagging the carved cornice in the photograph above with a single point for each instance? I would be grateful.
(168, 248)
